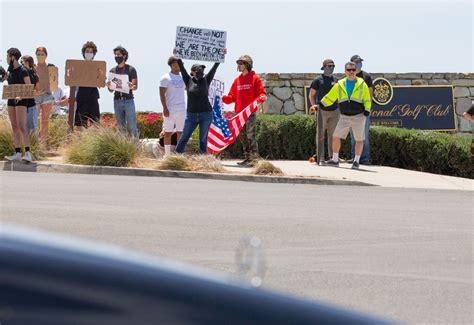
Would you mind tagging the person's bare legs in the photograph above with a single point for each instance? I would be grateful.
(21, 125)
(15, 129)
(45, 111)
(358, 147)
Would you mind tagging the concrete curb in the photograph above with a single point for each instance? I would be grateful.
(125, 171)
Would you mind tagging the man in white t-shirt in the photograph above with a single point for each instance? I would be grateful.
(60, 101)
(172, 95)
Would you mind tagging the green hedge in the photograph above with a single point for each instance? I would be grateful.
(293, 138)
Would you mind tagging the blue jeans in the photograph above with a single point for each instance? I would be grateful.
(126, 116)
(204, 120)
(365, 156)
(32, 119)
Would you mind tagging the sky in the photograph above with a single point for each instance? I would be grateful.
(281, 36)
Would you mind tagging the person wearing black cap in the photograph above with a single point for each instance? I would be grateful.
(199, 109)
(124, 104)
(327, 116)
(365, 157)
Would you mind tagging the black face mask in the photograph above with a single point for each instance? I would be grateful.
(119, 59)
(200, 74)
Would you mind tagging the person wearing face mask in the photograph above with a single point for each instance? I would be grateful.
(327, 116)
(199, 109)
(246, 88)
(18, 74)
(124, 104)
(45, 101)
(353, 96)
(31, 110)
(87, 98)
(365, 157)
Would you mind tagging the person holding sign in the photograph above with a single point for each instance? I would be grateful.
(31, 109)
(245, 89)
(45, 101)
(87, 98)
(199, 109)
(18, 74)
(355, 103)
(123, 80)
(174, 103)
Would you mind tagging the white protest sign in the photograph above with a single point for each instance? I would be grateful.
(119, 82)
(216, 88)
(200, 44)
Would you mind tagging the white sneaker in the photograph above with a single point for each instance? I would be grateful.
(15, 157)
(27, 157)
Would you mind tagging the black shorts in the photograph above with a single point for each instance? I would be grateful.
(87, 112)
(13, 102)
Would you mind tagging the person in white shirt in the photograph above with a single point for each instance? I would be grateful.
(172, 95)
(60, 101)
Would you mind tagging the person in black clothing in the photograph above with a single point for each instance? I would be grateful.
(199, 109)
(87, 98)
(32, 113)
(124, 103)
(327, 116)
(365, 157)
(18, 74)
(3, 74)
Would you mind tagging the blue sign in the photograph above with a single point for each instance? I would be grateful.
(414, 107)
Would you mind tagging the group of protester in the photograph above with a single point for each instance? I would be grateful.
(342, 106)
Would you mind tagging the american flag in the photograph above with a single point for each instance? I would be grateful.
(224, 132)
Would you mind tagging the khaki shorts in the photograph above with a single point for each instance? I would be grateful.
(346, 123)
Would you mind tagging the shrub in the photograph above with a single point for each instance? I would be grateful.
(101, 146)
(58, 131)
(293, 138)
(264, 167)
(7, 146)
(197, 163)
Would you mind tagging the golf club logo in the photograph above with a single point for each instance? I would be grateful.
(383, 91)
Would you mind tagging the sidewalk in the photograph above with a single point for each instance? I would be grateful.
(376, 175)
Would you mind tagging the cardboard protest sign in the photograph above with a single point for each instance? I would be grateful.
(85, 73)
(19, 90)
(48, 78)
(200, 44)
(119, 82)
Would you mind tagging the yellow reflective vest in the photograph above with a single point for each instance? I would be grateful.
(359, 102)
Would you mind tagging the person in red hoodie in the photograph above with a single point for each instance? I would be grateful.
(246, 88)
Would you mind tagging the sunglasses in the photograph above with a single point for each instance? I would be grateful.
(240, 63)
(351, 70)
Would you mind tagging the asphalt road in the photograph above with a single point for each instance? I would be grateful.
(405, 254)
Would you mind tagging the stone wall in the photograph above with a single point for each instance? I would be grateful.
(286, 90)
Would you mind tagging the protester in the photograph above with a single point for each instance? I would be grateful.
(60, 101)
(87, 98)
(3, 74)
(245, 89)
(172, 96)
(199, 109)
(31, 109)
(354, 99)
(365, 157)
(17, 74)
(469, 115)
(327, 116)
(124, 103)
(45, 101)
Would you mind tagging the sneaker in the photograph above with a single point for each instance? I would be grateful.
(355, 165)
(15, 157)
(27, 157)
(244, 162)
(332, 163)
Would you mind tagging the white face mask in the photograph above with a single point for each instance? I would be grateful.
(89, 56)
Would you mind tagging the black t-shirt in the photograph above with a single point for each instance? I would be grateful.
(198, 89)
(323, 85)
(34, 80)
(87, 95)
(132, 74)
(17, 76)
(367, 78)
